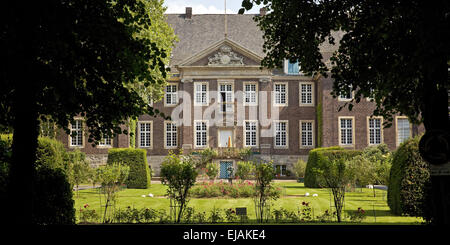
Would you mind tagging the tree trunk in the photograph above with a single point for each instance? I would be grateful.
(22, 169)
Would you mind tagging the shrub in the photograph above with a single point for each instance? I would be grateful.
(245, 169)
(52, 198)
(178, 173)
(139, 176)
(51, 153)
(409, 180)
(212, 169)
(299, 168)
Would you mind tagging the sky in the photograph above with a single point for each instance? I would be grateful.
(206, 6)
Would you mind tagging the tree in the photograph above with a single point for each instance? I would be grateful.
(264, 174)
(334, 173)
(179, 174)
(245, 169)
(396, 53)
(68, 58)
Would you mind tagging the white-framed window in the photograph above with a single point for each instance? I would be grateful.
(291, 68)
(306, 134)
(347, 96)
(76, 133)
(346, 131)
(170, 135)
(250, 133)
(403, 128)
(250, 93)
(201, 133)
(171, 95)
(145, 134)
(201, 93)
(306, 94)
(375, 133)
(106, 141)
(281, 139)
(226, 97)
(280, 94)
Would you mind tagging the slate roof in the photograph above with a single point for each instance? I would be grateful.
(203, 30)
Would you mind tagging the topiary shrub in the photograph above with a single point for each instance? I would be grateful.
(52, 198)
(139, 176)
(313, 158)
(409, 181)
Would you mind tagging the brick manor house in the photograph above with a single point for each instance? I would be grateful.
(218, 97)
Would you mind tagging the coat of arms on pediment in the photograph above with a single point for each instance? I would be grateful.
(225, 56)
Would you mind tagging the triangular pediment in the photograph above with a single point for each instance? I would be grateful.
(223, 53)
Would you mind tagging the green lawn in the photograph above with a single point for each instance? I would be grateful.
(291, 199)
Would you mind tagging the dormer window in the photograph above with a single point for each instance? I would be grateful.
(291, 68)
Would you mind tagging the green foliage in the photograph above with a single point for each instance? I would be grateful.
(245, 170)
(215, 215)
(78, 169)
(206, 156)
(409, 181)
(313, 158)
(136, 159)
(52, 198)
(264, 174)
(51, 153)
(111, 176)
(88, 215)
(372, 166)
(133, 125)
(212, 169)
(299, 168)
(179, 174)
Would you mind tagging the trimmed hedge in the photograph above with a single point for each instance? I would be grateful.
(139, 176)
(409, 181)
(51, 153)
(310, 177)
(320, 154)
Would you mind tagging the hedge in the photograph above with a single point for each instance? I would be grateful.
(409, 181)
(139, 176)
(52, 195)
(317, 155)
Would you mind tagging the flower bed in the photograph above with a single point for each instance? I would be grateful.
(221, 189)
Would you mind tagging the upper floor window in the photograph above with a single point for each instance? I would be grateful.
(375, 133)
(171, 95)
(251, 133)
(226, 97)
(403, 129)
(346, 131)
(280, 94)
(306, 93)
(306, 134)
(145, 134)
(347, 95)
(76, 133)
(281, 134)
(106, 140)
(201, 133)
(201, 93)
(170, 135)
(250, 93)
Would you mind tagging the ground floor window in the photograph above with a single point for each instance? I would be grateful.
(281, 170)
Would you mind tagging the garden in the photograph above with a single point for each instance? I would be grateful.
(335, 186)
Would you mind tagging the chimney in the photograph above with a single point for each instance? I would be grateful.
(188, 12)
(262, 11)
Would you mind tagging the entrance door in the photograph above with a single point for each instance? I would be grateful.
(225, 167)
(225, 137)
